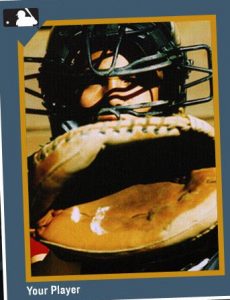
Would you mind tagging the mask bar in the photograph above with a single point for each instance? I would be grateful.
(208, 71)
(130, 109)
(108, 71)
(32, 59)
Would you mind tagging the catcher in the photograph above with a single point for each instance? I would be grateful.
(127, 183)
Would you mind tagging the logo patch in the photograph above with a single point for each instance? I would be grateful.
(20, 17)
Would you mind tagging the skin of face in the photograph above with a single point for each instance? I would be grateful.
(117, 90)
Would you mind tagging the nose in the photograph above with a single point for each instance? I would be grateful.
(115, 83)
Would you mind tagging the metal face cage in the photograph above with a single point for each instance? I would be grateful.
(58, 70)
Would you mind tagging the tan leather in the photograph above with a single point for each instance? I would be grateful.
(141, 216)
(137, 218)
(74, 151)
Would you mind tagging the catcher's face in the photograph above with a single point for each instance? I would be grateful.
(117, 90)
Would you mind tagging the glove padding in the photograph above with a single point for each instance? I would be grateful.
(147, 183)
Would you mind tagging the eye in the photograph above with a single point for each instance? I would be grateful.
(148, 80)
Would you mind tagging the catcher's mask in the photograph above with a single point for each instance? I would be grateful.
(150, 49)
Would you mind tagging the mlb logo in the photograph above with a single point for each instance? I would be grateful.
(20, 17)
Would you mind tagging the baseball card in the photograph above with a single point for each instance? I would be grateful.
(113, 150)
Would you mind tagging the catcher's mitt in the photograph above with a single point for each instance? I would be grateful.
(124, 187)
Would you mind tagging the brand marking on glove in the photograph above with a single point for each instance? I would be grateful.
(75, 215)
(95, 224)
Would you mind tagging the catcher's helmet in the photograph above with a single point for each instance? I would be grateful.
(67, 69)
